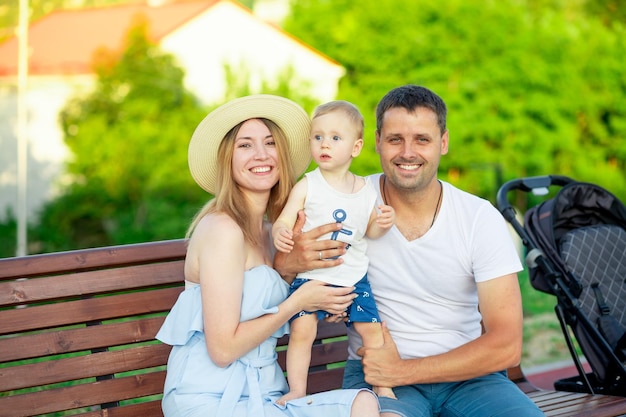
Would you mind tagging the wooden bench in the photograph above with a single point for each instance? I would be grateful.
(77, 333)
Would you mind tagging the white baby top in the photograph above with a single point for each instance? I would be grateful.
(323, 205)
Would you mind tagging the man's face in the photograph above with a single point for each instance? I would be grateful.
(410, 146)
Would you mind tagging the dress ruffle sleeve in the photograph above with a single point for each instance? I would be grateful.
(184, 319)
(262, 294)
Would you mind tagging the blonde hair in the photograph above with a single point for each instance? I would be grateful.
(230, 200)
(347, 108)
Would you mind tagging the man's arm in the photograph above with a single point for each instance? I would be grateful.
(498, 348)
(308, 253)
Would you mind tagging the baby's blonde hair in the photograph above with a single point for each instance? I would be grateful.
(347, 108)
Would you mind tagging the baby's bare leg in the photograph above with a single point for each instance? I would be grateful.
(301, 338)
(372, 335)
(364, 405)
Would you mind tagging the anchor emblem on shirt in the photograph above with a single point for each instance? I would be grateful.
(340, 215)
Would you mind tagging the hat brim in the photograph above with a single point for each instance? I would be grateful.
(206, 139)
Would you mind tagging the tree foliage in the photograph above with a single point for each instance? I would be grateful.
(610, 12)
(129, 175)
(8, 234)
(129, 180)
(533, 87)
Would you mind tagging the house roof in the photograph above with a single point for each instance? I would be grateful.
(64, 41)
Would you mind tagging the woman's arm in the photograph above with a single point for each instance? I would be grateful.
(221, 252)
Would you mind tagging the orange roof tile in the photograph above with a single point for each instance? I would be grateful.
(64, 41)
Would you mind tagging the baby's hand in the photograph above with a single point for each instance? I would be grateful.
(386, 216)
(283, 240)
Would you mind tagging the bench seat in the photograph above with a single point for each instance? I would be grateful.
(77, 333)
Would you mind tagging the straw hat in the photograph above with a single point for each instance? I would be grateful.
(206, 139)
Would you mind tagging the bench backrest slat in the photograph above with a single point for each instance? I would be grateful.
(84, 366)
(30, 290)
(83, 338)
(325, 380)
(89, 310)
(322, 354)
(87, 259)
(83, 395)
(148, 409)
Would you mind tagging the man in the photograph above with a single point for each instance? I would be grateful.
(444, 279)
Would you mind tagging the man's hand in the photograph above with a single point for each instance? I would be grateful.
(381, 364)
(308, 252)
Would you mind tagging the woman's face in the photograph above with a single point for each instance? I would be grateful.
(255, 157)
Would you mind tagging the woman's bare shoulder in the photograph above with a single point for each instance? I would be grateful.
(217, 229)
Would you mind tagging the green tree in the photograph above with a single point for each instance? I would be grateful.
(8, 234)
(130, 180)
(533, 87)
(129, 176)
(610, 12)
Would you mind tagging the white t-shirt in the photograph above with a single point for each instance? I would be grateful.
(323, 205)
(425, 289)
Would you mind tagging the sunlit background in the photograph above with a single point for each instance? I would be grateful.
(115, 89)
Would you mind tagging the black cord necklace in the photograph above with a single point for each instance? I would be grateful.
(384, 195)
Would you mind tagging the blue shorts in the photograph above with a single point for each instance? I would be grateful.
(492, 395)
(362, 310)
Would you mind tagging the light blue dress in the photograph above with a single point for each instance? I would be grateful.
(195, 386)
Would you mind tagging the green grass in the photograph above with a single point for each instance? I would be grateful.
(544, 341)
(534, 301)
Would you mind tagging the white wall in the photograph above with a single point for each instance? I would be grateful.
(47, 152)
(226, 34)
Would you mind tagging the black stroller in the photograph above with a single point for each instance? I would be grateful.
(576, 251)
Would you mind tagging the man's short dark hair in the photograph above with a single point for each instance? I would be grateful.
(410, 97)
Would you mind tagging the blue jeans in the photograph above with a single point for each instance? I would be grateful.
(487, 396)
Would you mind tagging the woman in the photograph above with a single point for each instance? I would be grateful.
(224, 326)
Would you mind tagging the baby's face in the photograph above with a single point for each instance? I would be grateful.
(334, 140)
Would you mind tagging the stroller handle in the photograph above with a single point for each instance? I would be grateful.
(527, 185)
